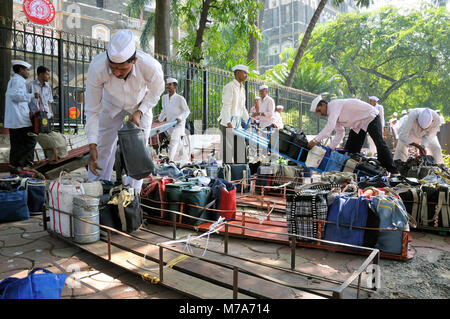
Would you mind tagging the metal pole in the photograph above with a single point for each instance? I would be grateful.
(225, 248)
(293, 246)
(109, 244)
(161, 264)
(235, 282)
(205, 101)
(61, 83)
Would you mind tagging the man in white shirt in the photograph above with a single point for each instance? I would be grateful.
(121, 81)
(174, 107)
(266, 107)
(40, 85)
(373, 100)
(17, 118)
(419, 130)
(361, 117)
(277, 120)
(233, 105)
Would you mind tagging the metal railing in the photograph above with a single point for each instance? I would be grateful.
(372, 258)
(68, 57)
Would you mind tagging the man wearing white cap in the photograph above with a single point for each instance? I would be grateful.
(121, 81)
(17, 118)
(373, 100)
(361, 118)
(174, 107)
(277, 120)
(266, 107)
(419, 130)
(233, 105)
(394, 127)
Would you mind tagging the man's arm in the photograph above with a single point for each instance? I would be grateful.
(227, 100)
(340, 133)
(154, 78)
(184, 115)
(18, 92)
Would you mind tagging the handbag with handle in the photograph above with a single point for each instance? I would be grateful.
(39, 118)
(35, 286)
(133, 149)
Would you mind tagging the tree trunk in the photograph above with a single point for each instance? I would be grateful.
(162, 27)
(6, 8)
(253, 52)
(196, 54)
(304, 43)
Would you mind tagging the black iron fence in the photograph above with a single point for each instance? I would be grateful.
(68, 57)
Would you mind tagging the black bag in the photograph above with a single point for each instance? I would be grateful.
(39, 119)
(237, 172)
(126, 217)
(133, 147)
(292, 142)
(109, 215)
(303, 210)
(434, 211)
(378, 181)
(412, 199)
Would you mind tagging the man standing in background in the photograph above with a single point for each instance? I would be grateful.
(233, 105)
(174, 107)
(17, 118)
(40, 85)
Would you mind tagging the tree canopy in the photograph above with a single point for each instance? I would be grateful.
(399, 56)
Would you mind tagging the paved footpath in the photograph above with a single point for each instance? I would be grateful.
(25, 245)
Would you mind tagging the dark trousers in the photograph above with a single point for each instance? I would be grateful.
(22, 147)
(233, 144)
(355, 142)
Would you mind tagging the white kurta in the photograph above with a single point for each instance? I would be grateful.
(277, 120)
(46, 95)
(233, 103)
(175, 107)
(17, 111)
(342, 113)
(411, 132)
(266, 106)
(109, 99)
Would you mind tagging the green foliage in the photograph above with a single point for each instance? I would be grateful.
(311, 76)
(226, 37)
(400, 56)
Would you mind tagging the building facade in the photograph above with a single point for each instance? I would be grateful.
(283, 22)
(97, 19)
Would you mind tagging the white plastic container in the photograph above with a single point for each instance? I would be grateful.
(60, 201)
(315, 156)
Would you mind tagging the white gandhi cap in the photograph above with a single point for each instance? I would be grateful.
(374, 98)
(20, 62)
(315, 102)
(263, 87)
(171, 80)
(425, 118)
(121, 47)
(240, 67)
(280, 107)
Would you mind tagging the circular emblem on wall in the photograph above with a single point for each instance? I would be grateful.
(39, 11)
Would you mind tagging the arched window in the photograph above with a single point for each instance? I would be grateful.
(100, 32)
